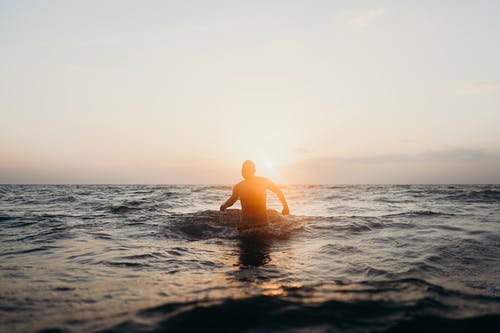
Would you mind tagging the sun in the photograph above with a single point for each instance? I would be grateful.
(272, 170)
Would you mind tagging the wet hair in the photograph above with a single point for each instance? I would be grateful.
(248, 169)
(248, 164)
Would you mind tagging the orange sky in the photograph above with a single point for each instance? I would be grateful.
(313, 91)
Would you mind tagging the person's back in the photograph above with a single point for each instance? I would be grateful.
(252, 194)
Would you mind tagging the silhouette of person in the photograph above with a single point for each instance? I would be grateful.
(252, 194)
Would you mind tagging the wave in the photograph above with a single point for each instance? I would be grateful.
(63, 199)
(128, 264)
(214, 224)
(123, 209)
(200, 225)
(475, 196)
(14, 253)
(210, 224)
(202, 188)
(5, 218)
(417, 213)
(409, 305)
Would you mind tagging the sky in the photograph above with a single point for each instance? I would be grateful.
(320, 92)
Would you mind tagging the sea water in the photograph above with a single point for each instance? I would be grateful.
(142, 258)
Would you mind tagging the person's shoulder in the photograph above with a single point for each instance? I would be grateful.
(264, 180)
(238, 185)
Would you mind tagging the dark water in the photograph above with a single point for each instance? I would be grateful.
(161, 258)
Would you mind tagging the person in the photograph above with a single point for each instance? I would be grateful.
(252, 194)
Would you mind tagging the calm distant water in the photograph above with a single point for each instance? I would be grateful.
(162, 258)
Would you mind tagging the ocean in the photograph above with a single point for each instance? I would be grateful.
(146, 258)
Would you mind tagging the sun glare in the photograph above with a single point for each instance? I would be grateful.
(268, 164)
(272, 152)
(272, 170)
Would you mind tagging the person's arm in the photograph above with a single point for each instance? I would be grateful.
(274, 188)
(232, 199)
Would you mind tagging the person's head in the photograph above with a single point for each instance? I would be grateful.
(248, 169)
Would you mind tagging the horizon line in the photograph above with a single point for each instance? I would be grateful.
(231, 184)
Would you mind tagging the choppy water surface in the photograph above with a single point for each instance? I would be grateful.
(162, 258)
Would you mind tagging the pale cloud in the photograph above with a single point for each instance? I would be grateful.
(452, 154)
(456, 154)
(362, 18)
(449, 165)
(480, 87)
